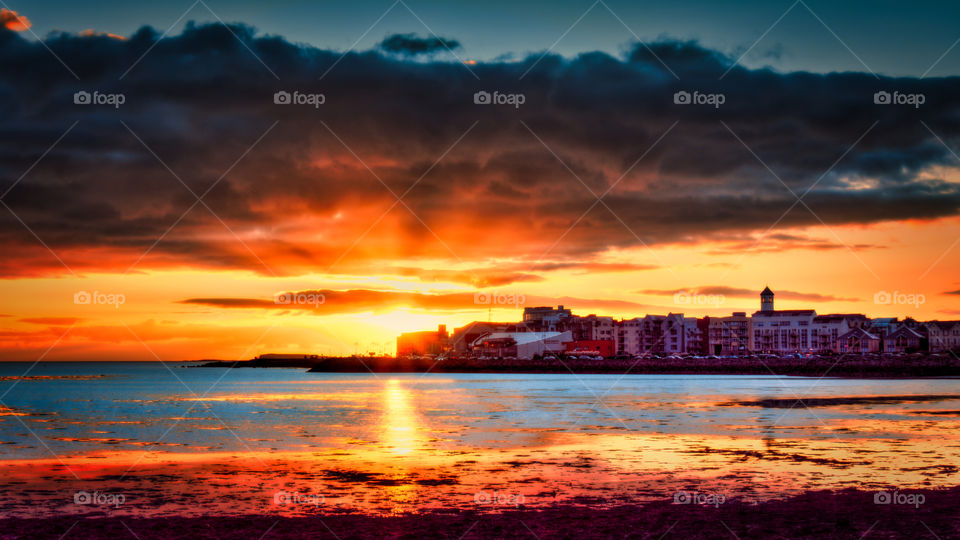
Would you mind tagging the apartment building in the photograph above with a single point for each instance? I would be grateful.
(729, 335)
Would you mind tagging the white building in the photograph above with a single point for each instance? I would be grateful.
(784, 331)
(524, 345)
(799, 330)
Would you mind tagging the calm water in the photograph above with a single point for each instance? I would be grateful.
(144, 438)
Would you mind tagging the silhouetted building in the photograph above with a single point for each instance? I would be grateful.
(546, 318)
(430, 343)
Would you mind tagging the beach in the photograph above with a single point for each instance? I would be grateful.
(845, 514)
(170, 450)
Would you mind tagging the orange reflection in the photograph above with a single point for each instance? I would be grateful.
(400, 428)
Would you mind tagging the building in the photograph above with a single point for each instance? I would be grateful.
(465, 335)
(857, 340)
(426, 343)
(766, 299)
(729, 335)
(883, 327)
(943, 335)
(660, 334)
(628, 338)
(827, 329)
(800, 330)
(694, 336)
(522, 345)
(904, 340)
(590, 328)
(546, 318)
(780, 332)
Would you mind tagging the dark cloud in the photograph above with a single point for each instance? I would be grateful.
(327, 301)
(285, 192)
(957, 292)
(51, 321)
(506, 274)
(412, 45)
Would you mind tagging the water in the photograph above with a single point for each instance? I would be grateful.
(173, 439)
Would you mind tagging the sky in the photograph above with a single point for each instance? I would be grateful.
(224, 179)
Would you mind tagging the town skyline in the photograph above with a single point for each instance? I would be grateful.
(766, 330)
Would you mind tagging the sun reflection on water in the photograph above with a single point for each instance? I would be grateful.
(401, 432)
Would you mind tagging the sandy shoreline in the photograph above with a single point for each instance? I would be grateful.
(822, 514)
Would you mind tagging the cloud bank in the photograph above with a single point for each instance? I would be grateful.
(299, 186)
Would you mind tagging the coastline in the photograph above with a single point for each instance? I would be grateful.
(848, 513)
(848, 365)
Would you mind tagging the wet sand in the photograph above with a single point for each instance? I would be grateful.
(480, 455)
(839, 514)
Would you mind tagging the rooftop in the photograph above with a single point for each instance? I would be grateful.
(788, 312)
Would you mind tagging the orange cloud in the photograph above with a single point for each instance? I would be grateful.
(11, 20)
(90, 32)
